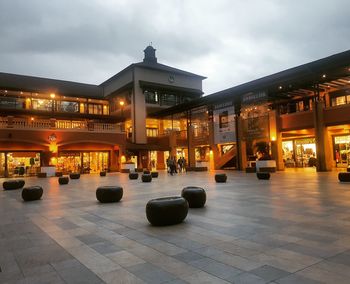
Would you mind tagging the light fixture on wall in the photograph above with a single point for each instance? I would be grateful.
(52, 95)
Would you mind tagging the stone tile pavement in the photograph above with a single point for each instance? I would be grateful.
(294, 228)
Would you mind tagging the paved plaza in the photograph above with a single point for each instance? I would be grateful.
(293, 228)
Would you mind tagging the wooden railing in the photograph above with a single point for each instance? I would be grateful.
(65, 125)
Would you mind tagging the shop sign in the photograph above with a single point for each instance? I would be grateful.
(256, 127)
(67, 154)
(342, 139)
(224, 124)
(254, 97)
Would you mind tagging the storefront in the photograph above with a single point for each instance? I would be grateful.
(202, 155)
(19, 163)
(85, 162)
(299, 152)
(342, 150)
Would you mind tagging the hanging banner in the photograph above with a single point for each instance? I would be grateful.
(224, 123)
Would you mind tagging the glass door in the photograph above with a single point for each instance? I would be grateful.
(2, 164)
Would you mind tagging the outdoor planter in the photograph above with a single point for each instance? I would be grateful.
(195, 196)
(108, 194)
(32, 193)
(166, 211)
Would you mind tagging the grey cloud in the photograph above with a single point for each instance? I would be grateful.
(230, 41)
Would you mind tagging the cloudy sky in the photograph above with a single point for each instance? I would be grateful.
(228, 41)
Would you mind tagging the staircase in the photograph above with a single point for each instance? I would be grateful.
(221, 161)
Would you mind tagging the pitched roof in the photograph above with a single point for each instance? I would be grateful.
(154, 66)
(46, 85)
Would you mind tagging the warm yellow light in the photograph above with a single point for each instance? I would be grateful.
(28, 99)
(324, 76)
(273, 138)
(121, 103)
(54, 161)
(280, 87)
(104, 106)
(32, 118)
(123, 159)
(52, 96)
(53, 147)
(211, 152)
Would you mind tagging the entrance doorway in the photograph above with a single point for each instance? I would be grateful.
(84, 162)
(299, 152)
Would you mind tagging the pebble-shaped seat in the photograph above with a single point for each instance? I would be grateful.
(344, 177)
(133, 176)
(166, 211)
(63, 180)
(146, 178)
(154, 174)
(32, 193)
(263, 175)
(108, 194)
(195, 196)
(74, 176)
(220, 177)
(13, 184)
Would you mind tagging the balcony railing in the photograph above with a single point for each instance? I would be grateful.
(66, 125)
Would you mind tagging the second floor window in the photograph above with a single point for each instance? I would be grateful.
(152, 132)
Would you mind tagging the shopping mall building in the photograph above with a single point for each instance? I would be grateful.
(150, 111)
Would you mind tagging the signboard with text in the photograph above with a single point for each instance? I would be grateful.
(224, 123)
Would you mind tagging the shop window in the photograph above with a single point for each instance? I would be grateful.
(42, 104)
(12, 103)
(66, 106)
(151, 97)
(152, 132)
(342, 150)
(95, 109)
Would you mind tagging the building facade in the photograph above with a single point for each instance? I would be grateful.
(75, 127)
(150, 111)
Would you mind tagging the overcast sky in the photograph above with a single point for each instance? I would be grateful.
(228, 41)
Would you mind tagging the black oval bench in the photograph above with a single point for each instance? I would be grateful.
(166, 211)
(74, 176)
(133, 176)
(154, 174)
(146, 178)
(344, 177)
(103, 174)
(220, 177)
(63, 180)
(13, 184)
(32, 193)
(107, 194)
(195, 196)
(41, 175)
(263, 175)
